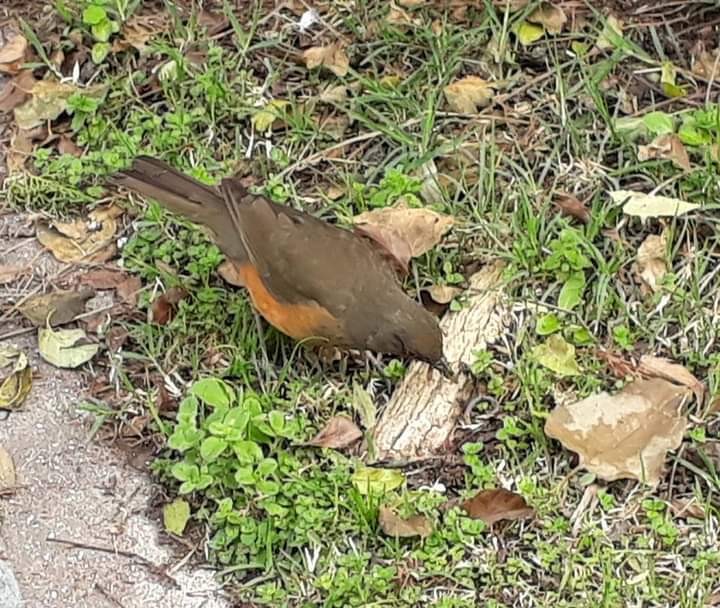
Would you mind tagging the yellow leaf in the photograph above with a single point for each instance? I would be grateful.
(557, 355)
(332, 57)
(528, 33)
(16, 386)
(176, 515)
(61, 348)
(272, 112)
(468, 94)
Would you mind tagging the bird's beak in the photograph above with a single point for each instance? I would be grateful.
(444, 368)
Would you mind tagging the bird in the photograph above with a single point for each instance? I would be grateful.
(312, 280)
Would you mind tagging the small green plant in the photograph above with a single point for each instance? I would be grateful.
(102, 25)
(568, 262)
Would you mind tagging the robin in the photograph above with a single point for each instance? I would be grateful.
(310, 279)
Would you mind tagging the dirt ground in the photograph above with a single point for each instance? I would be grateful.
(78, 529)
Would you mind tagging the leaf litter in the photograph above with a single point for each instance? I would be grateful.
(16, 381)
(56, 308)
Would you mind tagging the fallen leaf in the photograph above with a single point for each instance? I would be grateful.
(128, 290)
(400, 18)
(47, 101)
(420, 228)
(334, 94)
(338, 433)
(625, 435)
(611, 33)
(16, 90)
(269, 115)
(650, 265)
(231, 273)
(13, 46)
(11, 273)
(103, 278)
(687, 507)
(175, 516)
(16, 382)
(495, 505)
(394, 525)
(21, 147)
(648, 205)
(139, 30)
(443, 294)
(332, 57)
(661, 367)
(82, 241)
(468, 94)
(570, 205)
(369, 480)
(707, 65)
(8, 480)
(557, 355)
(666, 147)
(61, 348)
(550, 16)
(67, 146)
(164, 307)
(391, 245)
(528, 33)
(55, 308)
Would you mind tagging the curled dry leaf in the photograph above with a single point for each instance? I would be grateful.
(650, 265)
(82, 241)
(495, 505)
(332, 57)
(571, 206)
(421, 229)
(338, 433)
(550, 16)
(8, 480)
(13, 47)
(645, 206)
(394, 525)
(16, 90)
(55, 308)
(468, 94)
(674, 372)
(16, 381)
(625, 435)
(666, 147)
(164, 307)
(66, 347)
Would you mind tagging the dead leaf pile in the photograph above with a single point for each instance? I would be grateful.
(331, 57)
(650, 265)
(625, 435)
(492, 506)
(83, 241)
(15, 377)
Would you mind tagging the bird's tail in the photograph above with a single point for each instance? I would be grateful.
(176, 191)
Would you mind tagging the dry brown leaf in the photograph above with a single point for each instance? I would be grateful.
(334, 94)
(707, 64)
(420, 228)
(332, 57)
(15, 382)
(468, 94)
(139, 30)
(400, 18)
(8, 480)
(82, 241)
(660, 367)
(550, 16)
(103, 278)
(13, 47)
(625, 435)
(231, 273)
(164, 307)
(16, 90)
(687, 507)
(570, 205)
(67, 146)
(128, 290)
(11, 273)
(650, 265)
(338, 433)
(55, 308)
(443, 294)
(495, 505)
(394, 525)
(48, 100)
(666, 147)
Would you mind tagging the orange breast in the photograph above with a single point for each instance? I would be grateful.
(299, 321)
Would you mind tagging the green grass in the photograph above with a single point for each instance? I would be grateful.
(286, 523)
